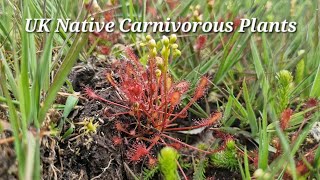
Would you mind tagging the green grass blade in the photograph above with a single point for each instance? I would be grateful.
(124, 8)
(65, 68)
(42, 73)
(14, 121)
(10, 77)
(24, 86)
(315, 90)
(251, 116)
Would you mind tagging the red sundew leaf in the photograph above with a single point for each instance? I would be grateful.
(114, 37)
(211, 120)
(117, 140)
(200, 125)
(173, 3)
(91, 94)
(236, 22)
(311, 103)
(201, 88)
(138, 151)
(182, 87)
(176, 145)
(256, 161)
(105, 50)
(302, 168)
(220, 21)
(285, 118)
(133, 90)
(200, 43)
(108, 16)
(131, 55)
(119, 127)
(130, 71)
(152, 11)
(183, 115)
(152, 162)
(175, 98)
(88, 6)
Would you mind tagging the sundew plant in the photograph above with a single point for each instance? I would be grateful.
(169, 89)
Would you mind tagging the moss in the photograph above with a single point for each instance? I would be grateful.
(226, 158)
(167, 163)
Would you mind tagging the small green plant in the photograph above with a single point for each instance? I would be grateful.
(148, 173)
(284, 87)
(168, 159)
(200, 168)
(226, 158)
(88, 126)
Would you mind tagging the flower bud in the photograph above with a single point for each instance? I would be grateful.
(165, 53)
(159, 61)
(196, 13)
(142, 44)
(174, 46)
(177, 53)
(152, 43)
(159, 45)
(165, 40)
(148, 37)
(153, 52)
(173, 38)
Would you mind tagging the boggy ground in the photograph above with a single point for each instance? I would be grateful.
(83, 156)
(92, 156)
